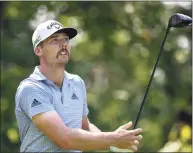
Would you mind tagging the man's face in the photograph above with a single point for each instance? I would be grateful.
(56, 49)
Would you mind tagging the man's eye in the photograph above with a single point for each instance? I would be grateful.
(66, 39)
(55, 39)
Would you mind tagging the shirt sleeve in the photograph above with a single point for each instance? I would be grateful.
(85, 107)
(34, 100)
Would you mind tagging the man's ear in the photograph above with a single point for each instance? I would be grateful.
(38, 51)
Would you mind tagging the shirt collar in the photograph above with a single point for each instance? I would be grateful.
(68, 75)
(37, 75)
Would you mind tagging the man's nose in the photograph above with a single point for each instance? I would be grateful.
(64, 44)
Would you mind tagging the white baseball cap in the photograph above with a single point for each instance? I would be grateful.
(47, 28)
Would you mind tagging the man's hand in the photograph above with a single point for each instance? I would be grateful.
(52, 126)
(128, 139)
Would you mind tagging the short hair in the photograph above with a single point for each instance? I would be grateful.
(40, 44)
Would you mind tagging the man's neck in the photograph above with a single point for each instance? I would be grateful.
(53, 73)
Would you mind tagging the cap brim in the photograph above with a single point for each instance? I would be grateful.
(71, 32)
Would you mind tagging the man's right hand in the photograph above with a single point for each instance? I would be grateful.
(52, 126)
(128, 139)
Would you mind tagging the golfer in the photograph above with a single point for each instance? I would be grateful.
(51, 107)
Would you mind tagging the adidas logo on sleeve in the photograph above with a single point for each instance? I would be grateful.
(35, 103)
(74, 96)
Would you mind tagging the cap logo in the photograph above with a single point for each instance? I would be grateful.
(37, 41)
(55, 24)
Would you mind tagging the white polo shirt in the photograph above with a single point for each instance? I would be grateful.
(37, 94)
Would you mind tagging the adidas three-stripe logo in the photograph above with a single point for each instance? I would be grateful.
(74, 96)
(35, 103)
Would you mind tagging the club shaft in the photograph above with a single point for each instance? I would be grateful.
(151, 78)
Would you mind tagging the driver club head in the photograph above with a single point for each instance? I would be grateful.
(179, 20)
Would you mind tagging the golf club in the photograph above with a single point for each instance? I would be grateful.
(177, 21)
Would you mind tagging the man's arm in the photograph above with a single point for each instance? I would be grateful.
(88, 126)
(53, 127)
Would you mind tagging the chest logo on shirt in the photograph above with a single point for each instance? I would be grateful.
(74, 96)
(35, 103)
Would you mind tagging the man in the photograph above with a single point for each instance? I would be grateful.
(51, 107)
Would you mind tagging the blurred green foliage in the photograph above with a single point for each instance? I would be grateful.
(114, 53)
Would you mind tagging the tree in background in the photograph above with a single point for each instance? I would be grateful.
(114, 53)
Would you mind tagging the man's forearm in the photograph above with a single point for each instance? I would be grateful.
(88, 126)
(84, 140)
(93, 128)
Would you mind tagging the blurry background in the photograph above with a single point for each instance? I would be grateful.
(114, 53)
